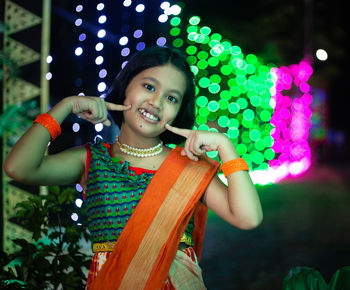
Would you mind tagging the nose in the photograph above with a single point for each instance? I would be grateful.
(156, 101)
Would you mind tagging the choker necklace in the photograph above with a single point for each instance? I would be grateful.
(140, 152)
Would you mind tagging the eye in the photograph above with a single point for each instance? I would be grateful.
(172, 99)
(149, 87)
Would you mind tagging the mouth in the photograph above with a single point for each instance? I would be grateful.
(149, 116)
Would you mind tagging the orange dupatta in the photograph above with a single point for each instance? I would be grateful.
(145, 249)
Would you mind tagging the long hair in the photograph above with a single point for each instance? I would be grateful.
(145, 59)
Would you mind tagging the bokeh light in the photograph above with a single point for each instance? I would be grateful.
(241, 96)
(291, 120)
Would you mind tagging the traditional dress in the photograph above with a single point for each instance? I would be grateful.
(164, 258)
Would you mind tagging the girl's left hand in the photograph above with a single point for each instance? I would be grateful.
(198, 142)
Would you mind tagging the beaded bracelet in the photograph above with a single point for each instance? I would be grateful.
(234, 165)
(50, 124)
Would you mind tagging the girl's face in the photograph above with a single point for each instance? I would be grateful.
(155, 96)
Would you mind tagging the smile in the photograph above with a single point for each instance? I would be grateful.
(148, 115)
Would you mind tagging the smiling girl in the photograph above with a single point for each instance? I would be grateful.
(147, 203)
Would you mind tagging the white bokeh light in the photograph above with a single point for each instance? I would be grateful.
(321, 54)
(48, 76)
(102, 19)
(140, 8)
(127, 3)
(74, 216)
(100, 6)
(163, 18)
(101, 86)
(165, 5)
(98, 127)
(78, 22)
(101, 33)
(99, 60)
(99, 46)
(78, 202)
(76, 127)
(78, 51)
(123, 40)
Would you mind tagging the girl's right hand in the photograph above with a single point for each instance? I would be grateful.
(94, 109)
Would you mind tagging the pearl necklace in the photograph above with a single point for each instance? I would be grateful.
(140, 152)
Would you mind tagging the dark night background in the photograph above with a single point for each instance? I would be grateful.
(278, 31)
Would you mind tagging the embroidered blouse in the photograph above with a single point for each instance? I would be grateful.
(113, 191)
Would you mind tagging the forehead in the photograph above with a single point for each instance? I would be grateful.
(168, 76)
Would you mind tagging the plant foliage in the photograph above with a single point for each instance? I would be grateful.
(53, 260)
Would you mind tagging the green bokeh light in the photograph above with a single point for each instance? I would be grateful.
(251, 58)
(178, 42)
(202, 64)
(224, 94)
(203, 111)
(205, 30)
(194, 20)
(257, 157)
(215, 78)
(201, 120)
(214, 88)
(269, 154)
(175, 31)
(223, 121)
(204, 82)
(191, 50)
(202, 101)
(233, 133)
(203, 127)
(202, 55)
(223, 104)
(233, 90)
(235, 50)
(175, 21)
(242, 103)
(254, 135)
(213, 61)
(213, 106)
(241, 149)
(259, 145)
(233, 108)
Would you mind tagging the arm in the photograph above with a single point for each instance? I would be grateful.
(238, 203)
(26, 162)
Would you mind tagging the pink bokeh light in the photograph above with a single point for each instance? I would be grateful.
(291, 119)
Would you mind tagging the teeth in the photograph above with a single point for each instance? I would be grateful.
(148, 115)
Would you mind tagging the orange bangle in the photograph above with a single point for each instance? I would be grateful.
(234, 165)
(50, 124)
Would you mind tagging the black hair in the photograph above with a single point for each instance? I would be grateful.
(145, 59)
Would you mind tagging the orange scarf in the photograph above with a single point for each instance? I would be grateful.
(145, 249)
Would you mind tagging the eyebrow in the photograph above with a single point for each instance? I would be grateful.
(158, 83)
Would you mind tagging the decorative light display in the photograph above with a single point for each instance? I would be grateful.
(233, 90)
(242, 97)
(291, 119)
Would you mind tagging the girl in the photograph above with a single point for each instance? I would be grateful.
(147, 203)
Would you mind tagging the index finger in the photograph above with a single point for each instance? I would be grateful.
(115, 107)
(182, 132)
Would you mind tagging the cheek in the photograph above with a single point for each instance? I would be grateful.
(172, 114)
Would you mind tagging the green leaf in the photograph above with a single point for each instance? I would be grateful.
(54, 189)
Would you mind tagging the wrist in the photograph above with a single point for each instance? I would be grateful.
(62, 109)
(226, 149)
